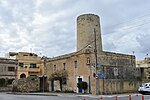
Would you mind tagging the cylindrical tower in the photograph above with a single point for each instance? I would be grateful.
(85, 31)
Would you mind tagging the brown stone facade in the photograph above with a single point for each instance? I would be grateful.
(82, 66)
(89, 60)
(145, 67)
(8, 68)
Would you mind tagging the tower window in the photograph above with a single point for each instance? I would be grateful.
(75, 64)
(64, 64)
(54, 67)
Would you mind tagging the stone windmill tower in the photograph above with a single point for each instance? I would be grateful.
(86, 24)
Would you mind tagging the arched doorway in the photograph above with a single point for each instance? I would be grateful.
(23, 76)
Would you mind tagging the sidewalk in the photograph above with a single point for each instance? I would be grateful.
(35, 93)
(73, 94)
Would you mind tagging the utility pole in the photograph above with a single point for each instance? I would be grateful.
(43, 83)
(95, 51)
(103, 81)
(44, 72)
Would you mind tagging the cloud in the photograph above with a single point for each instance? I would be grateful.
(130, 36)
(28, 26)
(47, 27)
(144, 44)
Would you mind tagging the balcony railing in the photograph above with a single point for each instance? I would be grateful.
(36, 69)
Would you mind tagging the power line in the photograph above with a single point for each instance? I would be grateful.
(125, 29)
(135, 26)
(133, 21)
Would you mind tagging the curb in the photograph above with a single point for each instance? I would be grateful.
(38, 94)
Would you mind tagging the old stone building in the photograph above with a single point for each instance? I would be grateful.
(8, 68)
(29, 64)
(8, 73)
(90, 63)
(144, 65)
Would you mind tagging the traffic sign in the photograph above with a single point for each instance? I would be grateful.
(101, 75)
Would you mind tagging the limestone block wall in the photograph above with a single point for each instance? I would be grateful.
(116, 59)
(30, 84)
(80, 70)
(115, 86)
(86, 67)
(6, 89)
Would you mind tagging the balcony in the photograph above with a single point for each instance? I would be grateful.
(37, 69)
(28, 69)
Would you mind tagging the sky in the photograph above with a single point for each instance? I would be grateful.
(48, 27)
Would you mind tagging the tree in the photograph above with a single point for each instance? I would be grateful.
(2, 82)
(83, 85)
(9, 81)
(60, 75)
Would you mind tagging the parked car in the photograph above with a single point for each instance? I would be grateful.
(144, 88)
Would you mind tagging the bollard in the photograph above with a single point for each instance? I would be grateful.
(142, 97)
(130, 97)
(84, 98)
(101, 98)
(116, 98)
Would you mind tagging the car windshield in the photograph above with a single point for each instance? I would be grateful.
(141, 85)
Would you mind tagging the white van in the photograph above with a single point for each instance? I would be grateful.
(144, 88)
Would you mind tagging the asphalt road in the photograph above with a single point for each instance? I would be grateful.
(4, 96)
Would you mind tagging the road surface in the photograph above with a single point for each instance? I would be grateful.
(5, 96)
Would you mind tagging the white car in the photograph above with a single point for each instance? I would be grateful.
(144, 88)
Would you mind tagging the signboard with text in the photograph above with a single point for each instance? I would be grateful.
(115, 71)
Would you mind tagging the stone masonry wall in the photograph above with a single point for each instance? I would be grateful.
(86, 24)
(30, 84)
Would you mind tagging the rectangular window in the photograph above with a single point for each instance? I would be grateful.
(11, 69)
(88, 61)
(32, 65)
(64, 81)
(21, 64)
(54, 67)
(33, 75)
(75, 64)
(25, 55)
(64, 64)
